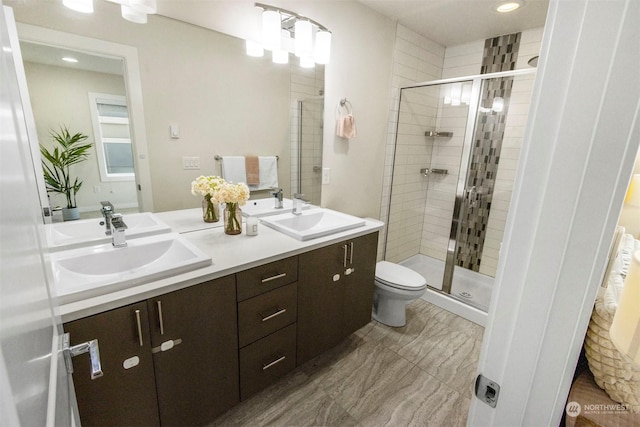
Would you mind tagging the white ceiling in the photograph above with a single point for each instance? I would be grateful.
(52, 55)
(453, 22)
(448, 22)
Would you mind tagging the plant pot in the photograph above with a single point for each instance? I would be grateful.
(70, 214)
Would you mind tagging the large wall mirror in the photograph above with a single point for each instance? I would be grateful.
(172, 73)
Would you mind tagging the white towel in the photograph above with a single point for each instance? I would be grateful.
(233, 169)
(268, 173)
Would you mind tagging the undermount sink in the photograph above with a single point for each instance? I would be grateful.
(97, 270)
(266, 207)
(73, 234)
(312, 223)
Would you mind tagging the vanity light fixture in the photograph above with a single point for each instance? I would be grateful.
(69, 59)
(131, 10)
(285, 32)
(508, 6)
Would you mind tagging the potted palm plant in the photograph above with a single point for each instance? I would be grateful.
(69, 150)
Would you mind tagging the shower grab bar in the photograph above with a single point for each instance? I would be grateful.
(436, 134)
(427, 171)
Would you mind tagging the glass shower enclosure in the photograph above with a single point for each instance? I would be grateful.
(456, 152)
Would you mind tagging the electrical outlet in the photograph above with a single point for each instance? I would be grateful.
(326, 176)
(190, 163)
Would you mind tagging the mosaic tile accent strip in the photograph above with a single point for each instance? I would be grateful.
(500, 54)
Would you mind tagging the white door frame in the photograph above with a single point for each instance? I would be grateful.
(578, 154)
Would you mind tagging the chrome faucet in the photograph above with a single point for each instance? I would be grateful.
(107, 212)
(118, 239)
(278, 196)
(297, 203)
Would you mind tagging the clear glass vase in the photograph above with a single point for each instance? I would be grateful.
(232, 219)
(210, 210)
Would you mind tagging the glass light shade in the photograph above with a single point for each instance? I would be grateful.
(303, 39)
(322, 52)
(254, 49)
(271, 28)
(498, 104)
(281, 56)
(84, 6)
(466, 93)
(144, 6)
(133, 15)
(307, 62)
(625, 328)
(456, 93)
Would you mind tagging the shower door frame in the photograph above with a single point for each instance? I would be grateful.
(461, 187)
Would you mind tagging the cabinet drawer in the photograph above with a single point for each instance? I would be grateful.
(259, 316)
(261, 279)
(267, 360)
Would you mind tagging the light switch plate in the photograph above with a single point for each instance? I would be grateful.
(190, 163)
(326, 176)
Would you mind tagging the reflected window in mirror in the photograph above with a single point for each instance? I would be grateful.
(110, 119)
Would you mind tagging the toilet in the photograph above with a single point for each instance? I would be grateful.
(396, 286)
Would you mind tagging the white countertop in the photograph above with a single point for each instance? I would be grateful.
(229, 254)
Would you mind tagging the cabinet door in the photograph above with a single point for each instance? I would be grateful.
(360, 282)
(320, 301)
(126, 393)
(195, 351)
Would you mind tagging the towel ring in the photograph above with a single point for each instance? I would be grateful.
(344, 103)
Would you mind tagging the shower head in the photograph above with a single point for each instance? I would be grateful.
(533, 61)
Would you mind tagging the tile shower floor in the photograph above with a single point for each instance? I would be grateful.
(418, 375)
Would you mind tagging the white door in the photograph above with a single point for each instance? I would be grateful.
(579, 148)
(34, 387)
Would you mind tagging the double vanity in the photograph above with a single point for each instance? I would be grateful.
(190, 321)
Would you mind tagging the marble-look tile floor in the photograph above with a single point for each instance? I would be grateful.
(419, 375)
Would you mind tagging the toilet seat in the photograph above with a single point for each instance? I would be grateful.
(399, 277)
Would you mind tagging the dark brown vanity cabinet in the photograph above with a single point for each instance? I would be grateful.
(194, 345)
(267, 313)
(170, 360)
(185, 357)
(335, 293)
(126, 393)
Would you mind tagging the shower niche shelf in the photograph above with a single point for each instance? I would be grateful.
(438, 134)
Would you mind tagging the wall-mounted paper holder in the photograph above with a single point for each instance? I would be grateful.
(427, 171)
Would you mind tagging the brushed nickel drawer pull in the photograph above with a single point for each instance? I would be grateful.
(160, 320)
(278, 360)
(139, 328)
(344, 261)
(277, 313)
(351, 254)
(277, 276)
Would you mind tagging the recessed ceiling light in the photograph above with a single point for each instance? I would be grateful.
(509, 6)
(69, 59)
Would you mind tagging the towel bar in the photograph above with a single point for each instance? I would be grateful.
(219, 157)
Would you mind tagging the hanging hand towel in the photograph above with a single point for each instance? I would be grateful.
(346, 126)
(349, 127)
(268, 172)
(252, 167)
(233, 169)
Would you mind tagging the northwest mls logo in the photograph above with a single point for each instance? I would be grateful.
(573, 409)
